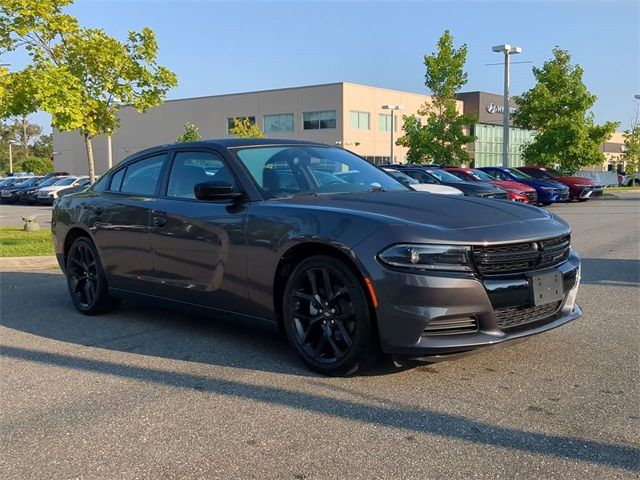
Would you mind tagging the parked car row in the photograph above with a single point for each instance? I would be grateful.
(41, 190)
(530, 184)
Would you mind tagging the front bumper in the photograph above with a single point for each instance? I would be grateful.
(48, 200)
(411, 304)
(553, 196)
(583, 193)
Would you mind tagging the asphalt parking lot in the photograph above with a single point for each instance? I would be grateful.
(149, 393)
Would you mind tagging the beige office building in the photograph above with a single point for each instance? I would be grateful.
(343, 114)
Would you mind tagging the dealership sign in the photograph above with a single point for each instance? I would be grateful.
(493, 108)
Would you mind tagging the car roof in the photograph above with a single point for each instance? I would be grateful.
(228, 143)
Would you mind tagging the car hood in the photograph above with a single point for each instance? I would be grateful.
(576, 180)
(432, 188)
(474, 187)
(54, 188)
(543, 183)
(438, 212)
(517, 186)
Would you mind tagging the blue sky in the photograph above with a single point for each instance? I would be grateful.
(223, 47)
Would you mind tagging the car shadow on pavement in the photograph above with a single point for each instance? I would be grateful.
(170, 334)
(392, 414)
(611, 271)
(143, 329)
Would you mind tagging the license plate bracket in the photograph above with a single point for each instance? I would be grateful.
(547, 288)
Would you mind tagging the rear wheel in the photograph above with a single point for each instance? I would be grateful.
(86, 280)
(327, 318)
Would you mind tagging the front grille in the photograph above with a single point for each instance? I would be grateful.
(451, 326)
(499, 196)
(521, 257)
(516, 316)
(532, 197)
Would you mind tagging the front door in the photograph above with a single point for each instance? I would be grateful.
(199, 246)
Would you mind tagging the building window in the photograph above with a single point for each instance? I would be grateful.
(384, 122)
(487, 148)
(278, 123)
(378, 160)
(319, 120)
(359, 120)
(231, 119)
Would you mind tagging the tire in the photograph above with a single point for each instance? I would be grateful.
(583, 199)
(86, 279)
(546, 204)
(332, 332)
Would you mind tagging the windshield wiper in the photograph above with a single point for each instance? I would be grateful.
(377, 189)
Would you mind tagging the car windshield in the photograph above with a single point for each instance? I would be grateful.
(445, 176)
(51, 181)
(539, 174)
(282, 171)
(482, 176)
(22, 181)
(519, 174)
(401, 177)
(28, 182)
(66, 181)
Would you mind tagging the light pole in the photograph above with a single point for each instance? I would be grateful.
(11, 144)
(109, 151)
(508, 50)
(393, 108)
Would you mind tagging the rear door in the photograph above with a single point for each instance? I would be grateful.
(199, 249)
(121, 220)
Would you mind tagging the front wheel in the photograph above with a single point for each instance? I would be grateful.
(327, 318)
(86, 280)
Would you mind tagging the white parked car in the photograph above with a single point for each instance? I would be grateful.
(422, 187)
(48, 194)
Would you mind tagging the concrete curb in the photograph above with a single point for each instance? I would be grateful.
(13, 264)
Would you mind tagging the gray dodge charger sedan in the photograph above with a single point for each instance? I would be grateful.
(346, 260)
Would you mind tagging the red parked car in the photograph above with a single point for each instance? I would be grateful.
(516, 192)
(580, 188)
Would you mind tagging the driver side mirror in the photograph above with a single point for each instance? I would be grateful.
(215, 190)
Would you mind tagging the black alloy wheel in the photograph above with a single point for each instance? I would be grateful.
(327, 318)
(85, 279)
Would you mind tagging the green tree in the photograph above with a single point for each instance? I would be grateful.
(81, 76)
(245, 128)
(190, 134)
(632, 147)
(441, 138)
(558, 108)
(43, 146)
(37, 165)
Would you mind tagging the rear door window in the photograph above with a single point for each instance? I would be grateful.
(139, 178)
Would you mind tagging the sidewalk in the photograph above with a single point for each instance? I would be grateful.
(19, 264)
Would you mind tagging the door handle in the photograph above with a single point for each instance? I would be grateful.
(159, 220)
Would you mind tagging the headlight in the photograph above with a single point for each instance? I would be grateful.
(427, 257)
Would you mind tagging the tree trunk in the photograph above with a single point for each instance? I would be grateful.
(25, 137)
(92, 168)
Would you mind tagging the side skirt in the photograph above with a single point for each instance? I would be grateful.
(192, 308)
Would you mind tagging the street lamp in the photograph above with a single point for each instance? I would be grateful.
(392, 108)
(508, 50)
(11, 144)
